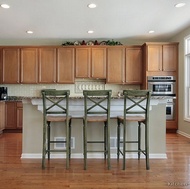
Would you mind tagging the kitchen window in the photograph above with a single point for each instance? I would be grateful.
(187, 79)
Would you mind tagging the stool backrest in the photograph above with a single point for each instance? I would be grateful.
(97, 102)
(137, 102)
(55, 102)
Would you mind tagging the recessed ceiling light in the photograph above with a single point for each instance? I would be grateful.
(92, 6)
(151, 31)
(29, 32)
(5, 6)
(90, 31)
(179, 5)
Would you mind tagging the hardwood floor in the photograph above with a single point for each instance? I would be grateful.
(16, 173)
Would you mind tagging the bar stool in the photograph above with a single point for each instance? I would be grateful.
(97, 109)
(136, 108)
(55, 109)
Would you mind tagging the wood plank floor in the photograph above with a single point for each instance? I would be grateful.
(16, 173)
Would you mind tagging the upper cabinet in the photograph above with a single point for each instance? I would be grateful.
(124, 65)
(91, 62)
(161, 57)
(65, 65)
(133, 65)
(115, 65)
(47, 65)
(56, 64)
(29, 65)
(82, 69)
(10, 65)
(98, 63)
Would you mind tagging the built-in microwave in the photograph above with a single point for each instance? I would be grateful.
(162, 85)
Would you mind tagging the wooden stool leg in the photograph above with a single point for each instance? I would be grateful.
(44, 146)
(118, 139)
(139, 139)
(108, 145)
(147, 147)
(67, 144)
(69, 139)
(85, 144)
(105, 140)
(48, 138)
(124, 143)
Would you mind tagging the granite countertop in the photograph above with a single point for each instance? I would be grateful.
(20, 98)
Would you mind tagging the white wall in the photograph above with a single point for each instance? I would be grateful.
(183, 126)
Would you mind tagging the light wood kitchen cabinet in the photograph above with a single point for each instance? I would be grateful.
(13, 115)
(133, 65)
(65, 65)
(2, 116)
(98, 63)
(10, 65)
(47, 65)
(91, 62)
(161, 57)
(82, 62)
(115, 65)
(29, 65)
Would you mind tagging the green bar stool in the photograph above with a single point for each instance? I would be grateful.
(55, 109)
(136, 108)
(97, 109)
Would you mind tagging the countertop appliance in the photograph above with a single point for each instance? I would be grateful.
(3, 93)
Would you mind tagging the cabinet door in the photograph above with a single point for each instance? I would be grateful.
(170, 57)
(2, 116)
(82, 63)
(154, 53)
(98, 63)
(19, 115)
(11, 65)
(29, 65)
(1, 65)
(65, 65)
(47, 65)
(115, 65)
(134, 65)
(10, 115)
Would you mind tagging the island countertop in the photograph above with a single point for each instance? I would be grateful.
(33, 123)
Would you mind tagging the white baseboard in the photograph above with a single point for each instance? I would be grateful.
(183, 134)
(90, 156)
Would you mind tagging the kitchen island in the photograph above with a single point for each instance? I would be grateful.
(33, 124)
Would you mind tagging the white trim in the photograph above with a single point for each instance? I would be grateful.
(183, 134)
(91, 156)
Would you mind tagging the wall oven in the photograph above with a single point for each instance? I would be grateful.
(164, 87)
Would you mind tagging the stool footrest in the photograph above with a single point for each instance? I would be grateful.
(95, 142)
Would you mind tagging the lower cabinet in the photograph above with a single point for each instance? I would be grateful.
(13, 116)
(2, 116)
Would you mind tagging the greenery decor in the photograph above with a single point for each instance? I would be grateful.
(108, 42)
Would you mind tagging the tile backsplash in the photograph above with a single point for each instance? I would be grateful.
(34, 90)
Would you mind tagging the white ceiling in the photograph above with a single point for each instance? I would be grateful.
(112, 19)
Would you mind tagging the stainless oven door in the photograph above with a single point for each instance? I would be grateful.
(169, 111)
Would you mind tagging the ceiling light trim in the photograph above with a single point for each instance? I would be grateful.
(92, 5)
(5, 6)
(179, 5)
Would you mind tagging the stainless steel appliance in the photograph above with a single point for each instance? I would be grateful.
(170, 109)
(3, 93)
(162, 85)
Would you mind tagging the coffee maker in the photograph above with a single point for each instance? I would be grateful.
(3, 93)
